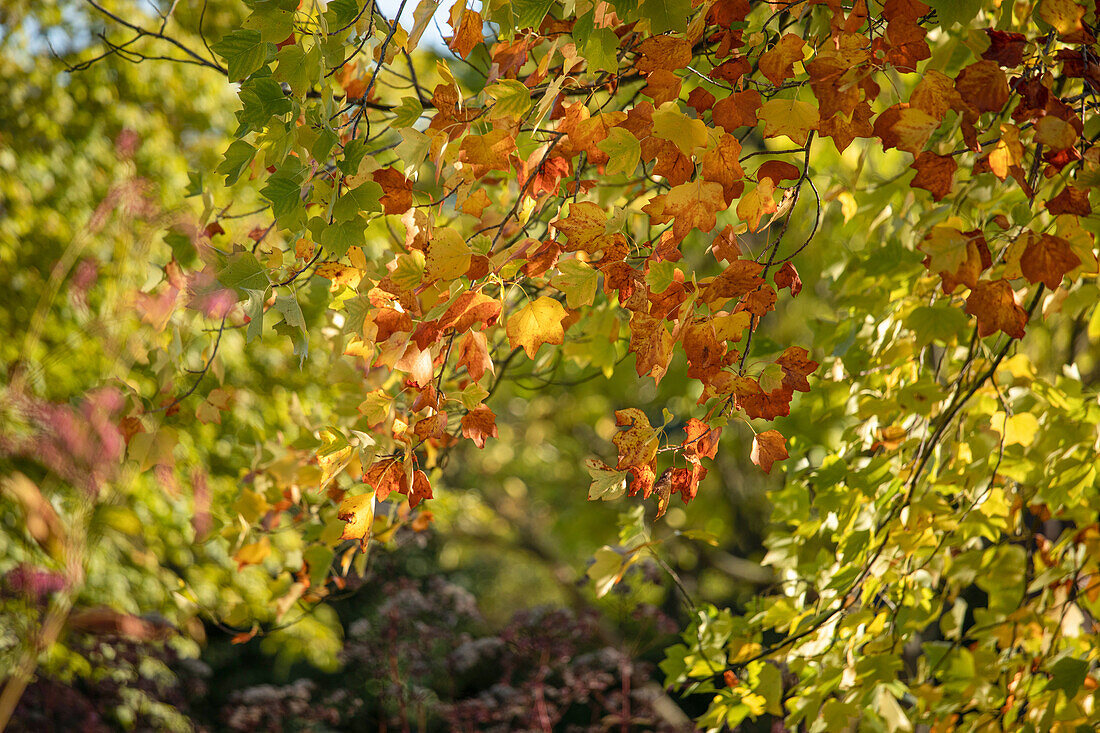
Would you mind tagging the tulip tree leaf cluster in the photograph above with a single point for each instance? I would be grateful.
(632, 185)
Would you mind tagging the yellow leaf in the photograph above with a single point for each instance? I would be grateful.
(537, 323)
(253, 553)
(358, 512)
(673, 125)
(251, 505)
(1017, 429)
(757, 203)
(639, 442)
(448, 255)
(789, 117)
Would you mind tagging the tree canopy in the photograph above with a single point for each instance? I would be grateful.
(288, 286)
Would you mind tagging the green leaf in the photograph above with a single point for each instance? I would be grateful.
(292, 312)
(236, 158)
(623, 150)
(339, 237)
(1067, 675)
(255, 310)
(284, 191)
(578, 281)
(607, 570)
(354, 151)
(666, 16)
(937, 323)
(608, 483)
(364, 198)
(244, 272)
(413, 149)
(262, 98)
(323, 145)
(513, 99)
(299, 68)
(601, 50)
(529, 13)
(660, 275)
(892, 713)
(244, 52)
(319, 559)
(407, 112)
(342, 12)
(950, 12)
(274, 24)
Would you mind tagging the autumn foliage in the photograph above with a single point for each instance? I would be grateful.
(637, 185)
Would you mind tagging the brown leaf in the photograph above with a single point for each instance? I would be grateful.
(797, 365)
(994, 304)
(421, 490)
(778, 171)
(386, 476)
(737, 110)
(935, 174)
(397, 190)
(983, 86)
(759, 302)
(787, 277)
(1006, 48)
(760, 404)
(721, 165)
(738, 279)
(652, 345)
(431, 427)
(1047, 259)
(843, 129)
(905, 128)
(700, 100)
(662, 86)
(725, 245)
(1070, 200)
(688, 206)
(663, 52)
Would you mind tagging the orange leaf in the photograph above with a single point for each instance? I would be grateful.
(467, 26)
(777, 64)
(701, 440)
(473, 353)
(652, 345)
(767, 448)
(797, 365)
(478, 424)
